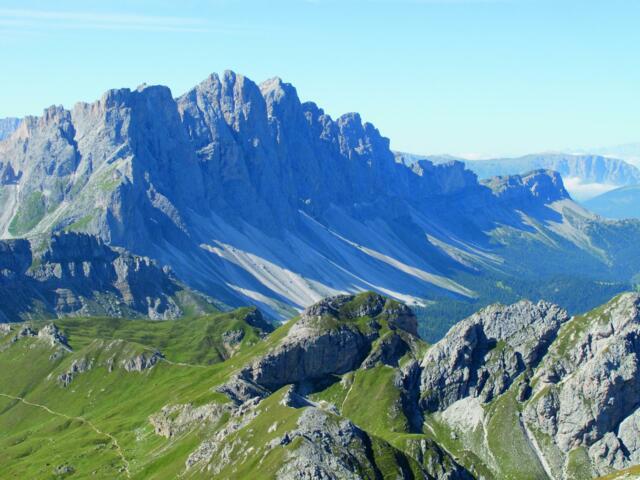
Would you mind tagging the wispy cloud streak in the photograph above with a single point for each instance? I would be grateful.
(50, 19)
(415, 2)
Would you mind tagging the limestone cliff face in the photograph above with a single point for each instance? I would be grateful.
(587, 168)
(543, 186)
(15, 257)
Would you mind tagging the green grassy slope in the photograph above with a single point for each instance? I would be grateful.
(104, 423)
(98, 426)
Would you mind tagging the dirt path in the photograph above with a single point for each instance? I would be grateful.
(80, 419)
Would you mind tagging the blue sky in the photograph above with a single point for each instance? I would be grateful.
(475, 77)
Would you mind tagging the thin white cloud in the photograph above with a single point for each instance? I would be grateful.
(415, 2)
(50, 19)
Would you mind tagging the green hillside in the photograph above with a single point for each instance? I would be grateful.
(117, 399)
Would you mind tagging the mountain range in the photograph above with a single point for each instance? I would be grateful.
(629, 152)
(233, 284)
(585, 176)
(254, 197)
(345, 390)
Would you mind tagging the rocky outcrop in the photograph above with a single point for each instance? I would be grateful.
(173, 420)
(444, 178)
(255, 319)
(329, 448)
(218, 444)
(77, 367)
(333, 447)
(142, 362)
(586, 390)
(77, 274)
(26, 331)
(567, 387)
(301, 357)
(54, 337)
(49, 334)
(388, 351)
(540, 186)
(435, 461)
(481, 356)
(331, 337)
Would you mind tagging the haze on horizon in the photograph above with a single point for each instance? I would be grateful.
(476, 78)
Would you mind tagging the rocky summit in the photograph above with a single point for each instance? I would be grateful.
(254, 197)
(345, 390)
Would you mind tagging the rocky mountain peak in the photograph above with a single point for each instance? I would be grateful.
(362, 140)
(347, 308)
(332, 337)
(584, 393)
(541, 186)
(546, 185)
(444, 178)
(231, 98)
(482, 355)
(54, 114)
(275, 89)
(283, 104)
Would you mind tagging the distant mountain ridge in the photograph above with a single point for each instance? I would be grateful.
(623, 202)
(578, 170)
(252, 196)
(587, 168)
(629, 152)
